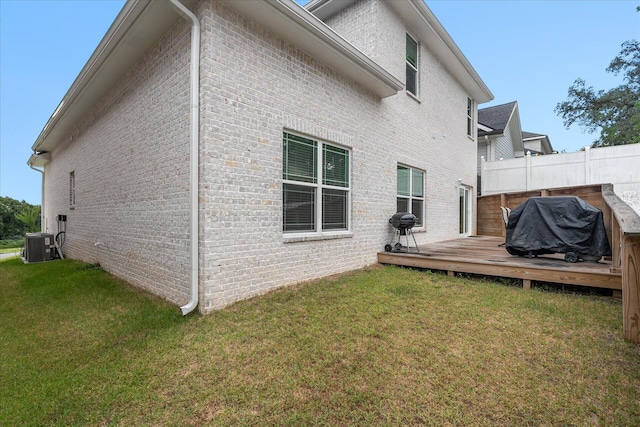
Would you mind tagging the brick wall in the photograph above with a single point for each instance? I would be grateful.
(130, 157)
(256, 86)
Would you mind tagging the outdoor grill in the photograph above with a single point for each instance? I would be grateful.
(403, 222)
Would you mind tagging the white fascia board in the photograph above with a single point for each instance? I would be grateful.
(516, 130)
(298, 26)
(39, 159)
(484, 128)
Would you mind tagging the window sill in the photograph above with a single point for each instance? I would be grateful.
(412, 96)
(310, 237)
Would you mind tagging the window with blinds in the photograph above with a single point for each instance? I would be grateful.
(410, 198)
(315, 188)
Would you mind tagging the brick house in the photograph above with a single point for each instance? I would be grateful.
(213, 150)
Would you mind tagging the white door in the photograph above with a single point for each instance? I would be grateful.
(465, 211)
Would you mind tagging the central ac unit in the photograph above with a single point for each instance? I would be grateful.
(39, 247)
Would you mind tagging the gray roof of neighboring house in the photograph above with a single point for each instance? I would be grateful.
(496, 118)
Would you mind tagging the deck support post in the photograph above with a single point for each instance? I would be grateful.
(630, 253)
(526, 284)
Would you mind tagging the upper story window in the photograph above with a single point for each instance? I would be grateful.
(316, 189)
(411, 192)
(470, 117)
(412, 66)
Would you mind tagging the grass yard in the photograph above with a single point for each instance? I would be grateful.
(381, 346)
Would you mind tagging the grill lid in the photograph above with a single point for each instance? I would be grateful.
(403, 220)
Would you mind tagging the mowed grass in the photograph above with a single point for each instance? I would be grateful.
(383, 346)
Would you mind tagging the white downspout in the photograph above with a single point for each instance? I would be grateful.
(194, 155)
(42, 224)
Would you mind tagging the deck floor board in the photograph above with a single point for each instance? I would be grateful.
(483, 255)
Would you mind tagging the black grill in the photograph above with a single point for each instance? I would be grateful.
(403, 222)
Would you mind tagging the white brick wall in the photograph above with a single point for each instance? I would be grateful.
(256, 86)
(130, 157)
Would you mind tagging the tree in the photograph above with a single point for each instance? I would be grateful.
(10, 227)
(616, 113)
(30, 216)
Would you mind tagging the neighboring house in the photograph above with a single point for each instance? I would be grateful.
(500, 136)
(499, 133)
(536, 144)
(215, 152)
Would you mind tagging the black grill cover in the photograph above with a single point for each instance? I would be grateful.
(546, 225)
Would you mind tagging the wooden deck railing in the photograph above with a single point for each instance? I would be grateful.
(623, 230)
(625, 248)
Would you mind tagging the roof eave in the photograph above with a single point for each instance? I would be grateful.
(427, 27)
(298, 26)
(137, 27)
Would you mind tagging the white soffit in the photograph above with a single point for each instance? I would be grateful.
(135, 30)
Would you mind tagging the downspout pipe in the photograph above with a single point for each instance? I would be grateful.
(42, 225)
(194, 162)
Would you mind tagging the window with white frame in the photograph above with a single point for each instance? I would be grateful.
(412, 65)
(470, 117)
(72, 188)
(315, 189)
(411, 192)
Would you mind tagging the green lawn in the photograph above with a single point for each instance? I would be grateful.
(381, 346)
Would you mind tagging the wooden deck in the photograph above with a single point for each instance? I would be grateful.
(482, 255)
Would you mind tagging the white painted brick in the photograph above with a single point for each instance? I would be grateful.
(131, 157)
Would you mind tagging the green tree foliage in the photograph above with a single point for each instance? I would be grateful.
(616, 112)
(10, 226)
(30, 216)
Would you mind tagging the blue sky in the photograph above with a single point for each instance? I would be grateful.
(525, 51)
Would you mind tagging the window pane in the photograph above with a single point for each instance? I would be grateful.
(412, 51)
(402, 205)
(334, 209)
(299, 208)
(403, 181)
(411, 80)
(417, 183)
(336, 166)
(417, 208)
(469, 117)
(299, 159)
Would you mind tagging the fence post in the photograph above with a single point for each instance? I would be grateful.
(483, 174)
(587, 165)
(528, 170)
